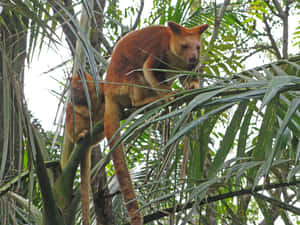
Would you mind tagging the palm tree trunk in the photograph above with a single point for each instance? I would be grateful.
(12, 55)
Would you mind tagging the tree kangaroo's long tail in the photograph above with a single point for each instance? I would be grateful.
(111, 125)
(85, 168)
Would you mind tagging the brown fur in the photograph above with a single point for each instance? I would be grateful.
(79, 108)
(155, 47)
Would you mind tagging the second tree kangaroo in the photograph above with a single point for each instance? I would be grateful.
(78, 118)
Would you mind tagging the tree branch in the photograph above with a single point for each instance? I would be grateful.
(279, 8)
(273, 43)
(274, 211)
(99, 185)
(217, 24)
(96, 35)
(135, 24)
(106, 44)
(97, 24)
(279, 204)
(218, 20)
(178, 208)
(138, 18)
(295, 59)
(258, 48)
(284, 17)
(271, 8)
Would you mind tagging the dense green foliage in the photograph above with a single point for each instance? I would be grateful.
(227, 153)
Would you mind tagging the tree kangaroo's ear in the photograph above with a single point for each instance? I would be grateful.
(200, 29)
(175, 28)
(178, 29)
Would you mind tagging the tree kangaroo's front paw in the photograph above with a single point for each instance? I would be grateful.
(82, 135)
(168, 97)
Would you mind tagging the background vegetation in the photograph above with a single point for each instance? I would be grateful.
(227, 153)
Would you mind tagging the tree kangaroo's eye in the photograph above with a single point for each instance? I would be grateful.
(184, 46)
(198, 47)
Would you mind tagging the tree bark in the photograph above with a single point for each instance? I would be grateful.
(102, 203)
